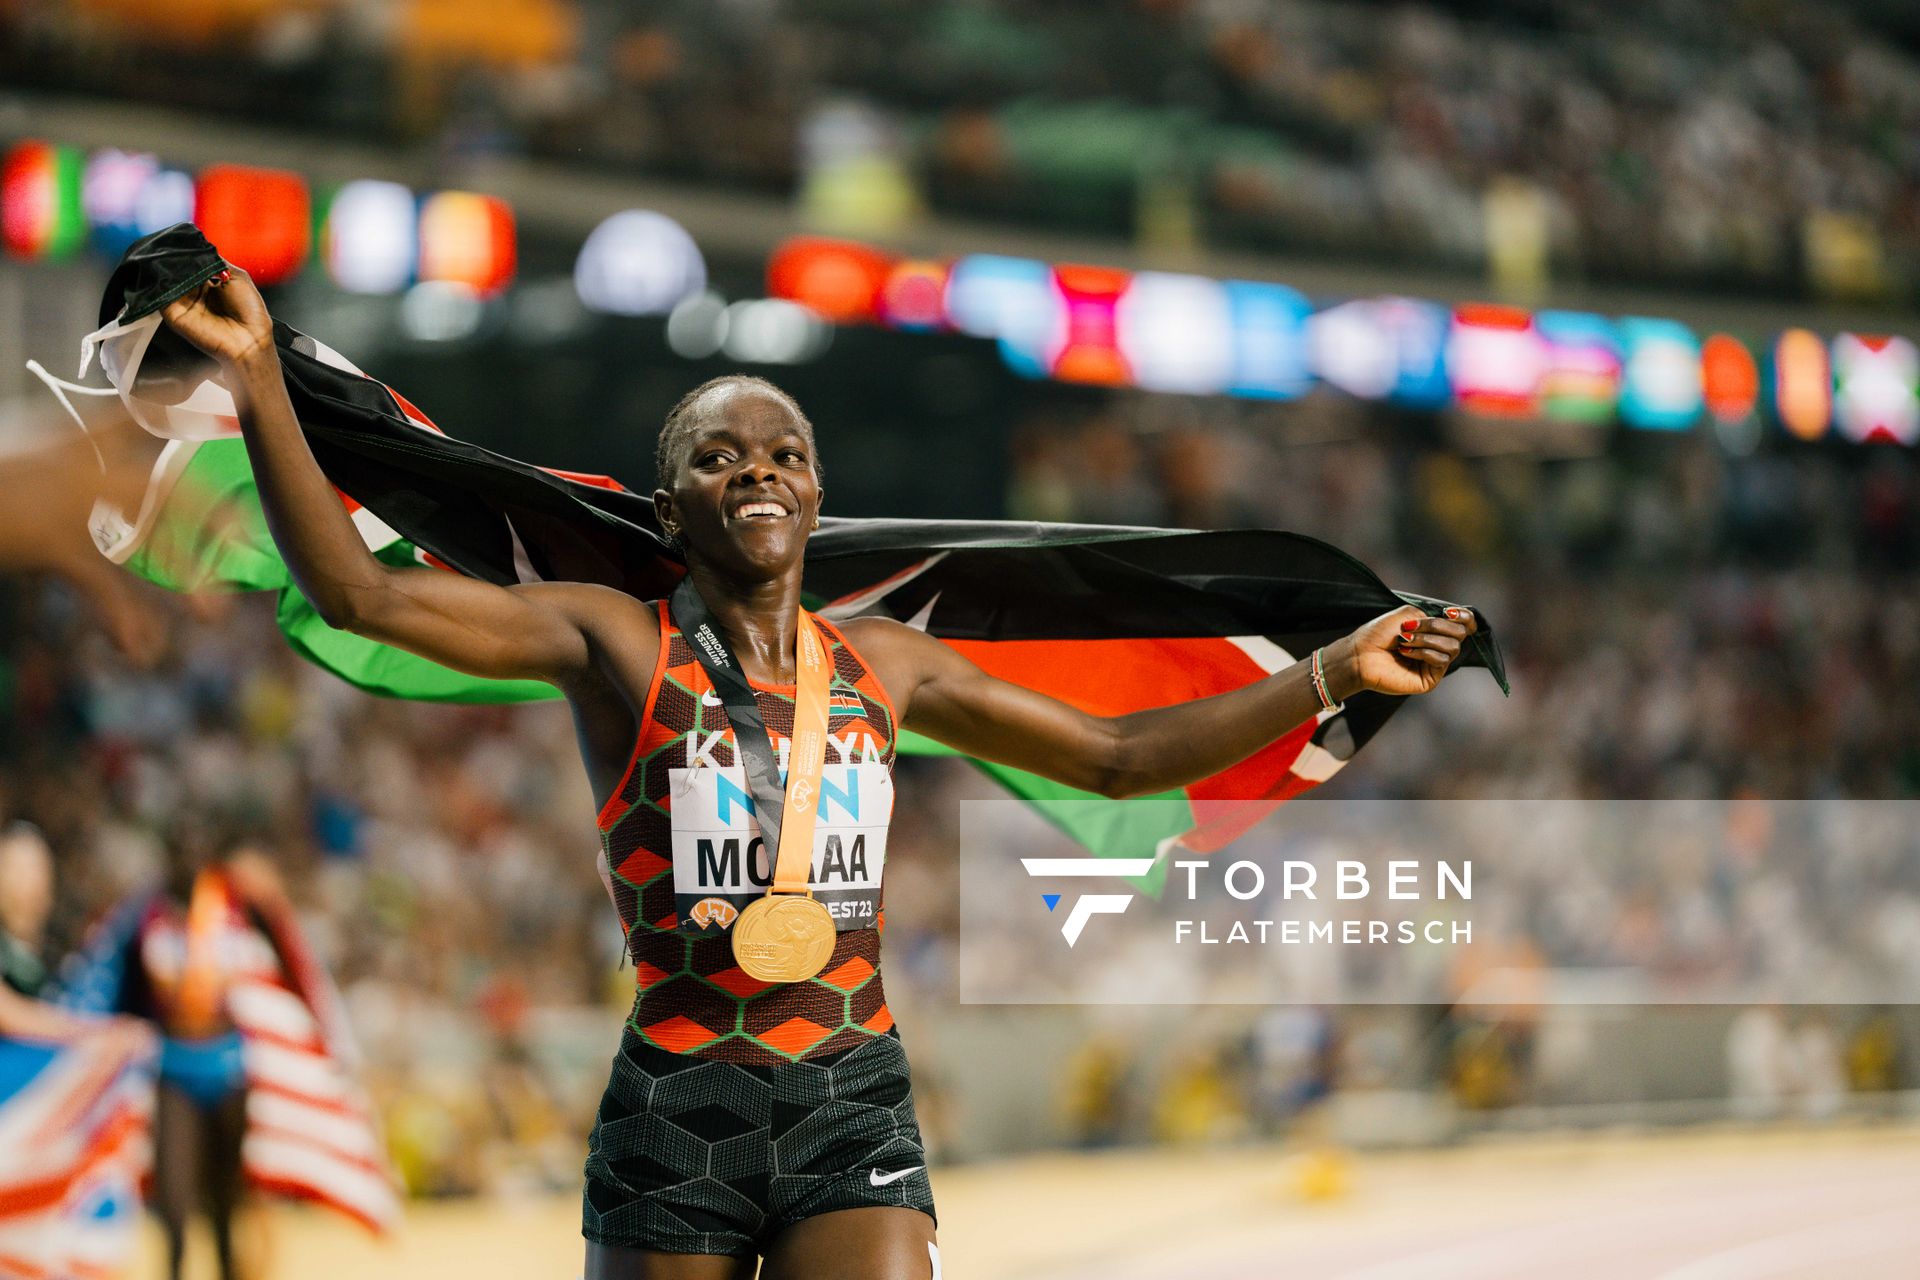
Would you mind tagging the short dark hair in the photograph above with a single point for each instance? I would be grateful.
(691, 412)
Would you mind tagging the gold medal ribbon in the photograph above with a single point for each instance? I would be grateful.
(787, 935)
(806, 760)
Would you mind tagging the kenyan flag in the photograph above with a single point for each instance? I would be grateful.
(1111, 620)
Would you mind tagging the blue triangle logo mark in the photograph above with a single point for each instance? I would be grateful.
(1051, 899)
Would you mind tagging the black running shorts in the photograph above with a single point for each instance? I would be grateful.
(694, 1156)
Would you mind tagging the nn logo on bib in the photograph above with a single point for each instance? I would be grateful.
(843, 795)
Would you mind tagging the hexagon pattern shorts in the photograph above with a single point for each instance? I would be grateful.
(689, 1155)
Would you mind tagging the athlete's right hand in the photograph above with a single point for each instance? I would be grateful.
(1404, 652)
(225, 317)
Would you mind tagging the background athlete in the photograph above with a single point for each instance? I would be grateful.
(740, 492)
(189, 949)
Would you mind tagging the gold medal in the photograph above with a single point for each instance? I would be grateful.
(783, 937)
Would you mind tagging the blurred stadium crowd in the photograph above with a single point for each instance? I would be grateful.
(1751, 146)
(1681, 624)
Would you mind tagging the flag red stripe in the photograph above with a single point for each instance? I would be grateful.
(583, 477)
(309, 1044)
(1113, 677)
(301, 1191)
(45, 1193)
(339, 1107)
(407, 407)
(1226, 805)
(33, 1197)
(83, 1094)
(319, 1147)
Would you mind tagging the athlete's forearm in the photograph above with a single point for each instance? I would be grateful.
(951, 700)
(310, 525)
(463, 623)
(1167, 747)
(30, 1019)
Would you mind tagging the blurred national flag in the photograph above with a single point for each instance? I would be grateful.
(74, 1119)
(73, 1148)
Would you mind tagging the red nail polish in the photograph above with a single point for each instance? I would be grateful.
(1410, 624)
(1458, 615)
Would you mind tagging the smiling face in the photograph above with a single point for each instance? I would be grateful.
(744, 489)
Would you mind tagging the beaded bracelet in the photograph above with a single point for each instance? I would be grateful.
(1318, 672)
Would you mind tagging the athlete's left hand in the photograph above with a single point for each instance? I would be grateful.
(1406, 652)
(225, 317)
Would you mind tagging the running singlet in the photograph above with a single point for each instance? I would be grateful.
(682, 853)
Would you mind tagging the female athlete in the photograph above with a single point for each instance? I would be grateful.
(747, 1119)
(219, 901)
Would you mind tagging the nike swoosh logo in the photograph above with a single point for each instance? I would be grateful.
(709, 699)
(879, 1179)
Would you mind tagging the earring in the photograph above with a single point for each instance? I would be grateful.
(816, 520)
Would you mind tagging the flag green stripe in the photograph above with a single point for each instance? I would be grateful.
(210, 533)
(390, 672)
(1133, 828)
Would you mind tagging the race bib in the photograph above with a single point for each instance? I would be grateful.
(721, 863)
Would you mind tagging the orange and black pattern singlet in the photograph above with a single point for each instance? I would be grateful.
(692, 998)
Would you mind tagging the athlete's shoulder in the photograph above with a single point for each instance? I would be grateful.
(592, 600)
(881, 634)
(635, 622)
(901, 657)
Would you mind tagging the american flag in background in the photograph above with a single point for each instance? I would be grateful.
(73, 1149)
(74, 1120)
(310, 1132)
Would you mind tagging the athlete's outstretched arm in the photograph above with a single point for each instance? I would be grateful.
(31, 1019)
(51, 489)
(940, 693)
(25, 1018)
(540, 631)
